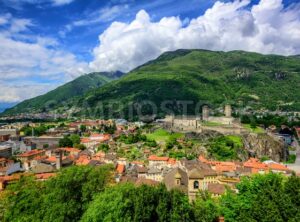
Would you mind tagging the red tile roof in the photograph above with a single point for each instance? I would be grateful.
(158, 158)
(31, 153)
(120, 168)
(83, 160)
(256, 165)
(277, 166)
(172, 161)
(85, 140)
(70, 149)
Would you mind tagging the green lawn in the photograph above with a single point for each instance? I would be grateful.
(236, 139)
(162, 135)
(256, 130)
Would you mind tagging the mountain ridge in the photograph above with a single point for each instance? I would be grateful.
(200, 76)
(65, 92)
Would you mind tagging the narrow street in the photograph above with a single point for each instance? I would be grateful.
(296, 166)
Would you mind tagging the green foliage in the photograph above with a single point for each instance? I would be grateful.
(65, 142)
(133, 138)
(37, 131)
(144, 203)
(75, 139)
(104, 147)
(269, 119)
(80, 146)
(263, 198)
(200, 75)
(253, 124)
(225, 147)
(161, 135)
(82, 128)
(84, 194)
(61, 199)
(292, 158)
(64, 93)
(151, 143)
(205, 208)
(108, 128)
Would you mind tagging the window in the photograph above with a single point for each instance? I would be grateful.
(196, 184)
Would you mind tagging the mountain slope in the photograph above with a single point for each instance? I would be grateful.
(201, 76)
(64, 93)
(197, 77)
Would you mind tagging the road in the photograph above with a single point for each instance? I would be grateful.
(296, 166)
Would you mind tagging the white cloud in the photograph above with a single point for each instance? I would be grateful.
(20, 92)
(267, 27)
(103, 15)
(24, 56)
(61, 2)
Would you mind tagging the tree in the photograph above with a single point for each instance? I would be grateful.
(82, 128)
(80, 146)
(63, 198)
(253, 124)
(75, 139)
(205, 208)
(261, 198)
(65, 142)
(104, 147)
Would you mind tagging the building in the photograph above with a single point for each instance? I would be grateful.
(191, 177)
(30, 155)
(6, 150)
(224, 124)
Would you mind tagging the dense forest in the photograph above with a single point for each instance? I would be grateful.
(244, 79)
(89, 194)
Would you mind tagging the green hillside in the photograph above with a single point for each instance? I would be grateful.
(64, 93)
(241, 78)
(199, 76)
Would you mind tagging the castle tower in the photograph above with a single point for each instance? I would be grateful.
(58, 155)
(228, 110)
(205, 113)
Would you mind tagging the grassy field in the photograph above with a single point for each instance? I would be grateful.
(256, 130)
(162, 135)
(236, 139)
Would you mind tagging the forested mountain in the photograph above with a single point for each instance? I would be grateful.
(64, 93)
(237, 77)
(212, 77)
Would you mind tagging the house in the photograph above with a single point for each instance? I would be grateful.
(154, 174)
(88, 142)
(190, 177)
(142, 171)
(30, 155)
(216, 190)
(6, 150)
(8, 167)
(256, 166)
(158, 162)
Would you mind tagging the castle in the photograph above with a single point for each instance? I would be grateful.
(225, 124)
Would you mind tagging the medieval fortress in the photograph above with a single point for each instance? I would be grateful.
(225, 124)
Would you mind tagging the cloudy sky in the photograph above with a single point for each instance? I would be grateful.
(45, 43)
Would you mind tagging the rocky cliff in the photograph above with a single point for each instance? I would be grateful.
(259, 145)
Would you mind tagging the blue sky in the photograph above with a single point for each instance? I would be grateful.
(45, 43)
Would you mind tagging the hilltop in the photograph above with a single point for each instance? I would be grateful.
(64, 93)
(210, 77)
(237, 77)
